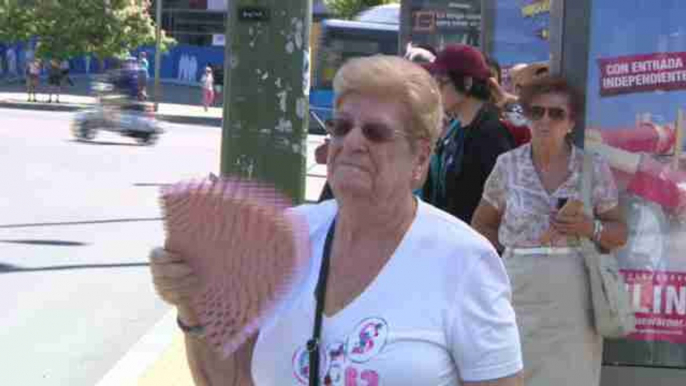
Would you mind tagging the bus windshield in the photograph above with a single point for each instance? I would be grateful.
(342, 40)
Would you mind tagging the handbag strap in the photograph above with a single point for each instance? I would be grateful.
(313, 344)
(586, 188)
(586, 194)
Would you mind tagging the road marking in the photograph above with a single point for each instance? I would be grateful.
(143, 354)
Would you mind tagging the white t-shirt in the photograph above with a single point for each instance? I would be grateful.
(207, 81)
(439, 311)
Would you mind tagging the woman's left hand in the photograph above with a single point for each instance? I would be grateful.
(577, 224)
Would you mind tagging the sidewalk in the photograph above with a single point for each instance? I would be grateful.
(179, 104)
(159, 358)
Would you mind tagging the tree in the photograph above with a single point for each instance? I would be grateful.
(346, 9)
(16, 20)
(68, 28)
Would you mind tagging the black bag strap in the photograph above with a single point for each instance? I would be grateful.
(313, 344)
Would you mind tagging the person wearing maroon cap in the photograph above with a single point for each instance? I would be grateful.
(474, 136)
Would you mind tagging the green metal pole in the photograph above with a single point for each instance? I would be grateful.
(266, 85)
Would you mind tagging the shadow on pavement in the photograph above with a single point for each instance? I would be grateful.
(191, 120)
(105, 143)
(61, 107)
(52, 243)
(8, 268)
(68, 223)
(150, 184)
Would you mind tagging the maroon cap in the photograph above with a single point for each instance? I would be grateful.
(461, 59)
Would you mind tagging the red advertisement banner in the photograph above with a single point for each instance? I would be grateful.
(642, 73)
(659, 302)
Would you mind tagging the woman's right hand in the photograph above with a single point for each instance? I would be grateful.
(173, 279)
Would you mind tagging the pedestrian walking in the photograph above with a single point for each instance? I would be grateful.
(207, 82)
(54, 80)
(65, 68)
(143, 74)
(32, 79)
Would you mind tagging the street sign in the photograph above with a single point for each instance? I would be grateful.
(253, 14)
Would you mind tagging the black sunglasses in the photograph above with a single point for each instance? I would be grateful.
(374, 132)
(554, 113)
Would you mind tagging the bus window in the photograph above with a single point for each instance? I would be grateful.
(342, 40)
(340, 50)
(339, 41)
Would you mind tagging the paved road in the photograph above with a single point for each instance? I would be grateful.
(76, 221)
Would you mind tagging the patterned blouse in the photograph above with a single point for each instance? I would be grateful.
(516, 191)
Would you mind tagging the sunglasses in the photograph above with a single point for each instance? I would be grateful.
(338, 128)
(554, 113)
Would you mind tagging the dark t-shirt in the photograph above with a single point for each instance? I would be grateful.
(484, 140)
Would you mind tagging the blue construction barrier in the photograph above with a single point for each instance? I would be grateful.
(13, 59)
(182, 64)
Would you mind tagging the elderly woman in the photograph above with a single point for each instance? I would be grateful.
(520, 213)
(414, 296)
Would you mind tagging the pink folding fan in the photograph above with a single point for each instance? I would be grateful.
(248, 251)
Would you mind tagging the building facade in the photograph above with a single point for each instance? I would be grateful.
(203, 22)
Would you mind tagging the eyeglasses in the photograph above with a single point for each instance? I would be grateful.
(338, 128)
(554, 113)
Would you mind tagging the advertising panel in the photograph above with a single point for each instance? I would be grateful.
(516, 35)
(520, 31)
(635, 110)
(438, 22)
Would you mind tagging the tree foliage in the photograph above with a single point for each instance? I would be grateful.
(16, 20)
(67, 28)
(346, 9)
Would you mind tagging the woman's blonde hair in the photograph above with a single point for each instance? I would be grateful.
(394, 77)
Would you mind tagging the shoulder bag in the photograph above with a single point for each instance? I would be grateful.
(614, 317)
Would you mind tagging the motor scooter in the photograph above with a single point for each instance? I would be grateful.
(117, 113)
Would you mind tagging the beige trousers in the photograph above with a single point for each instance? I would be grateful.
(552, 300)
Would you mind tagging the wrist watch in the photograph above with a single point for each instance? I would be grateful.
(597, 230)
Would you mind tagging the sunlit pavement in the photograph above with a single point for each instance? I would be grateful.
(78, 219)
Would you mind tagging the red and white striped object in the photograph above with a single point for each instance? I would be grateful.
(646, 137)
(249, 252)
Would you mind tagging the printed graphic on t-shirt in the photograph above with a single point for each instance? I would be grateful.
(343, 362)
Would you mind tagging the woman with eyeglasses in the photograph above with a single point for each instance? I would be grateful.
(412, 295)
(530, 208)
